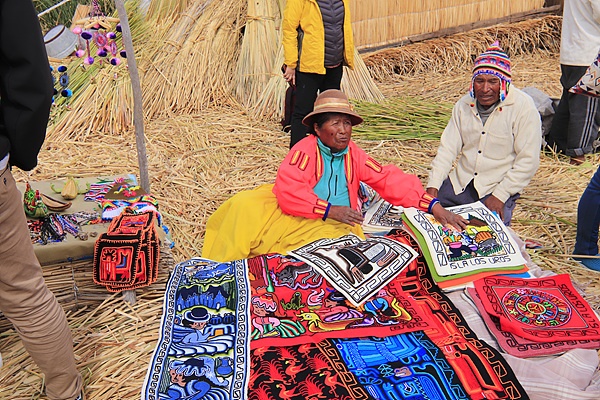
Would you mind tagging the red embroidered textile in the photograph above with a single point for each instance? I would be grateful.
(542, 309)
(522, 347)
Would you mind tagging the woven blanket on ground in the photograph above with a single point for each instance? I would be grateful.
(521, 347)
(540, 309)
(357, 268)
(271, 327)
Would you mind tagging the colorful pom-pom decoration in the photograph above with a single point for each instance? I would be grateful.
(62, 68)
(119, 29)
(76, 30)
(112, 48)
(88, 60)
(80, 53)
(86, 35)
(123, 53)
(100, 40)
(111, 35)
(66, 93)
(102, 52)
(115, 61)
(64, 80)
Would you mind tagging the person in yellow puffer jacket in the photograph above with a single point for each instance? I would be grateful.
(317, 43)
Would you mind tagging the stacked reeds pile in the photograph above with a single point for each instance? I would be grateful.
(259, 51)
(541, 35)
(192, 63)
(382, 22)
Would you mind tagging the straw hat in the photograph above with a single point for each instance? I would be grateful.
(334, 101)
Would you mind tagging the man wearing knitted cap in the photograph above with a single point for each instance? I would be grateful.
(495, 132)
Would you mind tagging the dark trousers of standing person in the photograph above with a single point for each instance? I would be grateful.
(307, 88)
(577, 119)
(588, 221)
(448, 198)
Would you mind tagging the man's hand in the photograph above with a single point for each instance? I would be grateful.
(290, 75)
(432, 191)
(446, 217)
(345, 215)
(495, 205)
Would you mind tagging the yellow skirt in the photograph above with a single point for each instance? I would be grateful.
(251, 223)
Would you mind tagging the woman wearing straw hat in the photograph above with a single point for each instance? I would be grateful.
(317, 42)
(316, 192)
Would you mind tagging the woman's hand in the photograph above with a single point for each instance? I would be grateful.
(446, 217)
(345, 215)
(290, 75)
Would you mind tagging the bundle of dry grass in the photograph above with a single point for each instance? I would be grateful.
(383, 22)
(259, 50)
(195, 61)
(540, 35)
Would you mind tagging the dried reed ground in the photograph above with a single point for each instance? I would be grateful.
(198, 161)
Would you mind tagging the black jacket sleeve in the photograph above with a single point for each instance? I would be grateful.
(25, 84)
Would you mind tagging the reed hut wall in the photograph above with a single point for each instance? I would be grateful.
(378, 23)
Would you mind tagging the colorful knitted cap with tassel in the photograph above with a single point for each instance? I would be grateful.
(493, 61)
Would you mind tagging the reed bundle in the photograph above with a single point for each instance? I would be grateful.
(402, 119)
(196, 64)
(259, 50)
(384, 22)
(540, 35)
(271, 101)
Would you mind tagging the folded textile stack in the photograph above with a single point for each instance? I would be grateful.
(535, 317)
(456, 258)
(381, 217)
(126, 256)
